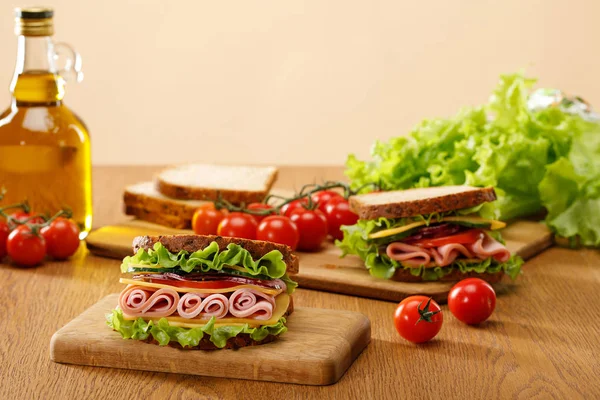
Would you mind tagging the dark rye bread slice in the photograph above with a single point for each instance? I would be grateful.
(191, 243)
(241, 340)
(419, 201)
(404, 275)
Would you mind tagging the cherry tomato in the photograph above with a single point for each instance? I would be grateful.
(312, 226)
(291, 206)
(338, 213)
(259, 206)
(278, 229)
(23, 216)
(62, 238)
(206, 219)
(472, 300)
(470, 236)
(321, 198)
(418, 319)
(239, 225)
(24, 247)
(4, 232)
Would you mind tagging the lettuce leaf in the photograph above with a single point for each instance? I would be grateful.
(208, 259)
(535, 158)
(164, 333)
(356, 241)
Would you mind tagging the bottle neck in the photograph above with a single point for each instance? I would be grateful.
(36, 80)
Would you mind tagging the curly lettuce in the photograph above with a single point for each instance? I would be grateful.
(164, 333)
(535, 158)
(378, 264)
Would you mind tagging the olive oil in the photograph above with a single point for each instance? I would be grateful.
(44, 147)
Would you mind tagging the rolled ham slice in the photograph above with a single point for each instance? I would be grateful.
(192, 305)
(412, 256)
(487, 247)
(142, 301)
(244, 303)
(446, 254)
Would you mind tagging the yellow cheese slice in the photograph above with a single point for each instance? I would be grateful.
(282, 302)
(469, 219)
(272, 292)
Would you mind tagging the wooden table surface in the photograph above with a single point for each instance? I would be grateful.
(543, 341)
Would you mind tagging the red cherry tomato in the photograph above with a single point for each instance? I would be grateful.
(321, 198)
(259, 206)
(62, 238)
(418, 319)
(278, 229)
(24, 247)
(338, 213)
(23, 216)
(292, 205)
(312, 226)
(472, 300)
(239, 225)
(4, 232)
(206, 219)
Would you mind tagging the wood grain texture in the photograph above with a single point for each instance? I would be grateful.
(325, 270)
(542, 341)
(319, 346)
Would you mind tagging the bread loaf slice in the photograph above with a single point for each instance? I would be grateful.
(146, 203)
(236, 184)
(419, 201)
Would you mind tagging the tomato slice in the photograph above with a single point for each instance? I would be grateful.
(467, 237)
(196, 284)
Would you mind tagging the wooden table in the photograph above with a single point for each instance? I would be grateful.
(543, 341)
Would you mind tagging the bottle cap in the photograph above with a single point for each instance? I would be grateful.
(34, 21)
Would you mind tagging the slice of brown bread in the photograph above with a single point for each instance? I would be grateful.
(404, 275)
(236, 184)
(419, 201)
(191, 243)
(145, 202)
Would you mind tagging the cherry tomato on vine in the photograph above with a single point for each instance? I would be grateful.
(472, 300)
(238, 224)
(292, 205)
(338, 213)
(4, 232)
(278, 229)
(24, 247)
(418, 319)
(259, 206)
(23, 216)
(322, 197)
(312, 226)
(206, 219)
(62, 238)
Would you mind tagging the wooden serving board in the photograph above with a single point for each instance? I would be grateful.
(325, 270)
(318, 348)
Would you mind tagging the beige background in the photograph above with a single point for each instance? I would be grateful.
(293, 82)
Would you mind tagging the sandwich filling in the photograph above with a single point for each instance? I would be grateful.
(209, 294)
(431, 246)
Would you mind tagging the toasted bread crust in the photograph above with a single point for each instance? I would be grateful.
(158, 218)
(404, 275)
(236, 197)
(162, 206)
(449, 202)
(191, 243)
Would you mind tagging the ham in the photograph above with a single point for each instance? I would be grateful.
(446, 254)
(244, 303)
(192, 305)
(412, 256)
(138, 300)
(487, 247)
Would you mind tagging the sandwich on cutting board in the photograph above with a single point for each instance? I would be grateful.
(176, 193)
(205, 292)
(428, 234)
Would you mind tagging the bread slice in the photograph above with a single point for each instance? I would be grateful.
(146, 203)
(191, 243)
(419, 201)
(237, 184)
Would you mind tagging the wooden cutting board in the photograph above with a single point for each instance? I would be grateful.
(318, 348)
(325, 270)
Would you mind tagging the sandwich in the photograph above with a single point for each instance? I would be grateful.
(429, 234)
(205, 292)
